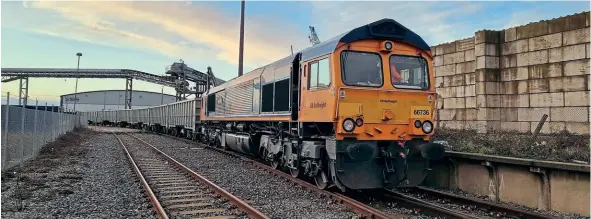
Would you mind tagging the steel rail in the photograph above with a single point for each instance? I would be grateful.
(252, 212)
(426, 207)
(488, 206)
(157, 207)
(362, 209)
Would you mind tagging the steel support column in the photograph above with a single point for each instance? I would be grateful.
(179, 96)
(128, 91)
(23, 91)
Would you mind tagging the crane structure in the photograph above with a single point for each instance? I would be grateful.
(313, 36)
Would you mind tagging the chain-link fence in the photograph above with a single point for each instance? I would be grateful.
(557, 134)
(25, 129)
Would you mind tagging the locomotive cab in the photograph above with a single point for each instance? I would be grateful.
(380, 96)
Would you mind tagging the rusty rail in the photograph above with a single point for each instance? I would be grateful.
(488, 206)
(252, 212)
(157, 207)
(358, 207)
(426, 207)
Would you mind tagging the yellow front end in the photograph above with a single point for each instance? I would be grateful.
(389, 110)
(384, 115)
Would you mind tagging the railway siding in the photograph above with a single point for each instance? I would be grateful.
(270, 194)
(543, 185)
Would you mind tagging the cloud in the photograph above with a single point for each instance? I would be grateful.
(434, 21)
(175, 29)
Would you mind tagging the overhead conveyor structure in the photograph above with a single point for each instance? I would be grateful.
(175, 80)
(184, 73)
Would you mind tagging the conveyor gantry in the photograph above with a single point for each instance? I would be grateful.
(183, 73)
(23, 74)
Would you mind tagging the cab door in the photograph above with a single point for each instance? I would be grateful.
(317, 101)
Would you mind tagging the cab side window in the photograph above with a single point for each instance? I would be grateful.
(319, 74)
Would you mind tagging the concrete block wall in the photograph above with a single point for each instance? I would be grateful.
(507, 80)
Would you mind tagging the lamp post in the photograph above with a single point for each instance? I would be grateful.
(77, 76)
(241, 47)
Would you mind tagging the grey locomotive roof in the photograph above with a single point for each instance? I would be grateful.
(382, 29)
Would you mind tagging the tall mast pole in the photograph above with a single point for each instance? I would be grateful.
(240, 54)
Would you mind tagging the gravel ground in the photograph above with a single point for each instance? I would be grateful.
(553, 213)
(82, 175)
(270, 194)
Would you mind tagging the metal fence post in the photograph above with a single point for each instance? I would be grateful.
(52, 123)
(35, 126)
(60, 120)
(44, 125)
(64, 121)
(22, 149)
(6, 123)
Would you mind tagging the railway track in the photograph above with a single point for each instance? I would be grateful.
(401, 199)
(363, 210)
(176, 191)
(498, 210)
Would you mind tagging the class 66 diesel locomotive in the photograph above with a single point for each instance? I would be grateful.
(353, 112)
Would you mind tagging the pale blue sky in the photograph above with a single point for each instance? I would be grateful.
(148, 36)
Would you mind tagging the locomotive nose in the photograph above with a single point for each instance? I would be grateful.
(431, 151)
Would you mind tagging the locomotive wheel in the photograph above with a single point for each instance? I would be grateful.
(294, 172)
(275, 164)
(321, 180)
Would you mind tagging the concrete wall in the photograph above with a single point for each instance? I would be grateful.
(506, 80)
(537, 184)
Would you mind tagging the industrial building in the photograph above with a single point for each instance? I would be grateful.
(113, 100)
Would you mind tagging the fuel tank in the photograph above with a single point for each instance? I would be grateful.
(240, 143)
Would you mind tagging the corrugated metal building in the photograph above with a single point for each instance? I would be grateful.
(113, 100)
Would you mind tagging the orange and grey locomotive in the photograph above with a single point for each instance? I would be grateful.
(355, 111)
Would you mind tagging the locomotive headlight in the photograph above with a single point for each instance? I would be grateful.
(349, 125)
(427, 127)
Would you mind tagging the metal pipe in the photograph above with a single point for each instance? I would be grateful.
(241, 51)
